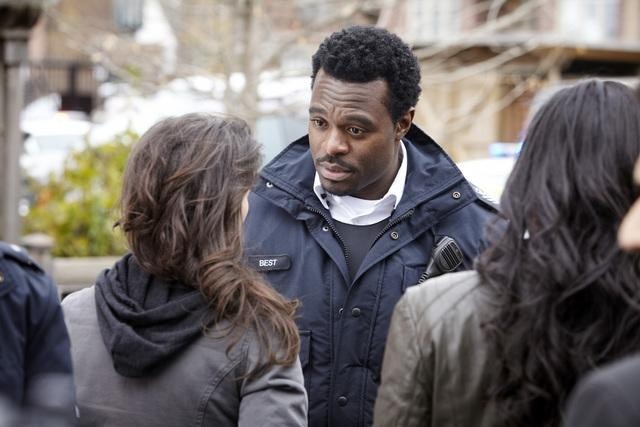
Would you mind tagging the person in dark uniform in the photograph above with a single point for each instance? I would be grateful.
(607, 397)
(35, 359)
(346, 218)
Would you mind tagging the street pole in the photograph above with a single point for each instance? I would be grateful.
(17, 19)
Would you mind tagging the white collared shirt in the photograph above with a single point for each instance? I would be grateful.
(355, 211)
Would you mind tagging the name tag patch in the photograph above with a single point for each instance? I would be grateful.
(270, 262)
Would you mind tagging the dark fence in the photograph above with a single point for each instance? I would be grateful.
(75, 82)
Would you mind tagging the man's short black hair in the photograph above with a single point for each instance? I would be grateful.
(362, 54)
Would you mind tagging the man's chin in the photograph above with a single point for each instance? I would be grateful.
(336, 188)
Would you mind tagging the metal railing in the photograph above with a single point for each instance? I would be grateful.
(74, 81)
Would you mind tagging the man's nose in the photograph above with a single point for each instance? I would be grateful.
(336, 143)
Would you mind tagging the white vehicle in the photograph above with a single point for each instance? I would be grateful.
(489, 175)
(50, 136)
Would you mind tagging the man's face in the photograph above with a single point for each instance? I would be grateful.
(629, 231)
(354, 143)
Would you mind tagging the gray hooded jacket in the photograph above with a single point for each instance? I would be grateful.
(140, 359)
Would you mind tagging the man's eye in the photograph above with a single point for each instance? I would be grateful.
(317, 122)
(355, 131)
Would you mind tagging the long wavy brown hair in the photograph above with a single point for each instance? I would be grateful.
(565, 297)
(181, 213)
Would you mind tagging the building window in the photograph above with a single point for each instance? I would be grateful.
(127, 15)
(435, 20)
(591, 20)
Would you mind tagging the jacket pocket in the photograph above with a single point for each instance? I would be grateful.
(305, 347)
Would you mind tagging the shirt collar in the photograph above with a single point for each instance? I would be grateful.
(348, 208)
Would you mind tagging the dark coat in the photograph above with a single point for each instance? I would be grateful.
(35, 360)
(343, 323)
(436, 363)
(608, 396)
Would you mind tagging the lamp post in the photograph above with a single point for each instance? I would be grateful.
(17, 17)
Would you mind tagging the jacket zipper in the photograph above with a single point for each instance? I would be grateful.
(396, 221)
(339, 237)
(334, 229)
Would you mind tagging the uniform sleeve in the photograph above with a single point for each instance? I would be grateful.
(404, 395)
(276, 398)
(48, 371)
(604, 400)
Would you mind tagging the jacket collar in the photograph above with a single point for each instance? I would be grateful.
(429, 171)
(356, 211)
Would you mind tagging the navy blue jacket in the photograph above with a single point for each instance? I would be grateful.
(343, 323)
(35, 358)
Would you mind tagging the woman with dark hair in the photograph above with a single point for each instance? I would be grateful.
(180, 332)
(552, 297)
(608, 395)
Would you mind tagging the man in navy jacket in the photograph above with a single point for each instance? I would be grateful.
(346, 218)
(35, 358)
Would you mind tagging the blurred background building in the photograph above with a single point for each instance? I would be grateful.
(98, 73)
(484, 61)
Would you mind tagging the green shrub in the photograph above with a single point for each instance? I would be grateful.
(79, 207)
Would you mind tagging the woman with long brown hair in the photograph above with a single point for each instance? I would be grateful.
(180, 331)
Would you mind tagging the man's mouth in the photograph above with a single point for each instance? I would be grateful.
(333, 172)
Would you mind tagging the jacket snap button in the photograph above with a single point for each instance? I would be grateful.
(325, 228)
(342, 401)
(1, 278)
(340, 311)
(269, 185)
(395, 235)
(456, 195)
(355, 312)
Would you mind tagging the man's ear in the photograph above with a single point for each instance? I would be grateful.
(404, 123)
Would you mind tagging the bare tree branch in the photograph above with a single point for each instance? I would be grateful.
(494, 9)
(346, 13)
(468, 39)
(387, 10)
(467, 115)
(480, 67)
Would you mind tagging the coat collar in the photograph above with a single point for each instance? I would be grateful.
(429, 171)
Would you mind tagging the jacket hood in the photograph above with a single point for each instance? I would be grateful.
(144, 320)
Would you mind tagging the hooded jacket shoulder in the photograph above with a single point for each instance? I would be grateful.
(202, 382)
(145, 320)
